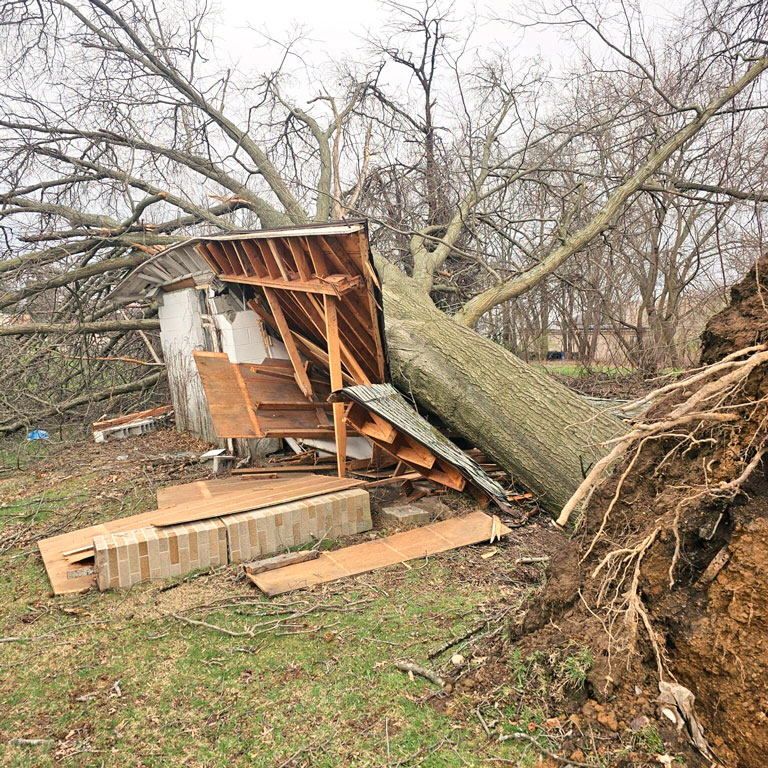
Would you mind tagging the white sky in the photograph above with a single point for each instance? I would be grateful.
(337, 25)
(336, 28)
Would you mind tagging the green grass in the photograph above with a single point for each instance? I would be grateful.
(116, 680)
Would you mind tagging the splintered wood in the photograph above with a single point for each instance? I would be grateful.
(399, 548)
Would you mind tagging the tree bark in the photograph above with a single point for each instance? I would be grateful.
(544, 434)
(100, 326)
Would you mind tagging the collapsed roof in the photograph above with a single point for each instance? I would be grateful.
(316, 287)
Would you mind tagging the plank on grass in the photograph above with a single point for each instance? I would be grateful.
(360, 558)
(290, 489)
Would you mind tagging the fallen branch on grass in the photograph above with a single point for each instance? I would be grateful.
(456, 640)
(416, 669)
(32, 742)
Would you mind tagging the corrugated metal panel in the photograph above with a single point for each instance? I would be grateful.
(385, 401)
(171, 265)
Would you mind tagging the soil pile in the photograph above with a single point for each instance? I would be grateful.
(667, 575)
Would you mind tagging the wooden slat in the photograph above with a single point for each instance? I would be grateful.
(309, 286)
(371, 555)
(334, 357)
(161, 410)
(287, 336)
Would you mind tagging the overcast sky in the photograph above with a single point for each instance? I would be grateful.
(337, 26)
(336, 29)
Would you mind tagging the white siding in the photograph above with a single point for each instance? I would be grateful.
(181, 332)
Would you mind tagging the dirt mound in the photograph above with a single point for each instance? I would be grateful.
(666, 577)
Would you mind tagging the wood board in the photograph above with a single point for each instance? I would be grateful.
(248, 400)
(398, 548)
(67, 576)
(200, 490)
(280, 492)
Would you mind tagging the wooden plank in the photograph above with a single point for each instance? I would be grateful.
(248, 406)
(318, 431)
(378, 429)
(280, 469)
(287, 336)
(280, 561)
(333, 288)
(371, 555)
(292, 406)
(291, 489)
(334, 358)
(161, 410)
(394, 479)
(299, 258)
(277, 257)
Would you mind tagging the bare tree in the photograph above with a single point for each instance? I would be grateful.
(128, 137)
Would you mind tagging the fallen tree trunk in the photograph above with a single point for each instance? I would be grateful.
(543, 433)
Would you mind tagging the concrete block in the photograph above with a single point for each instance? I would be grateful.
(404, 514)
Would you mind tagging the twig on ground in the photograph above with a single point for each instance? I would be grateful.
(543, 750)
(456, 640)
(32, 742)
(417, 669)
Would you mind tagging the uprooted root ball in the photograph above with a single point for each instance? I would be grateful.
(668, 574)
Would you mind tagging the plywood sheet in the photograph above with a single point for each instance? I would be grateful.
(360, 558)
(261, 400)
(287, 489)
(200, 490)
(229, 408)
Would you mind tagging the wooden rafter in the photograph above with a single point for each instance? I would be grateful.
(334, 358)
(287, 335)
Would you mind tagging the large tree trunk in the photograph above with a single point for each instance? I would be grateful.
(544, 434)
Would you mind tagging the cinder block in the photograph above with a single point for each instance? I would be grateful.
(124, 559)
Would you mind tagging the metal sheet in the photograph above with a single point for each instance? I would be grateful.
(385, 401)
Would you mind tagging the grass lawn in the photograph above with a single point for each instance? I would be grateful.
(307, 679)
